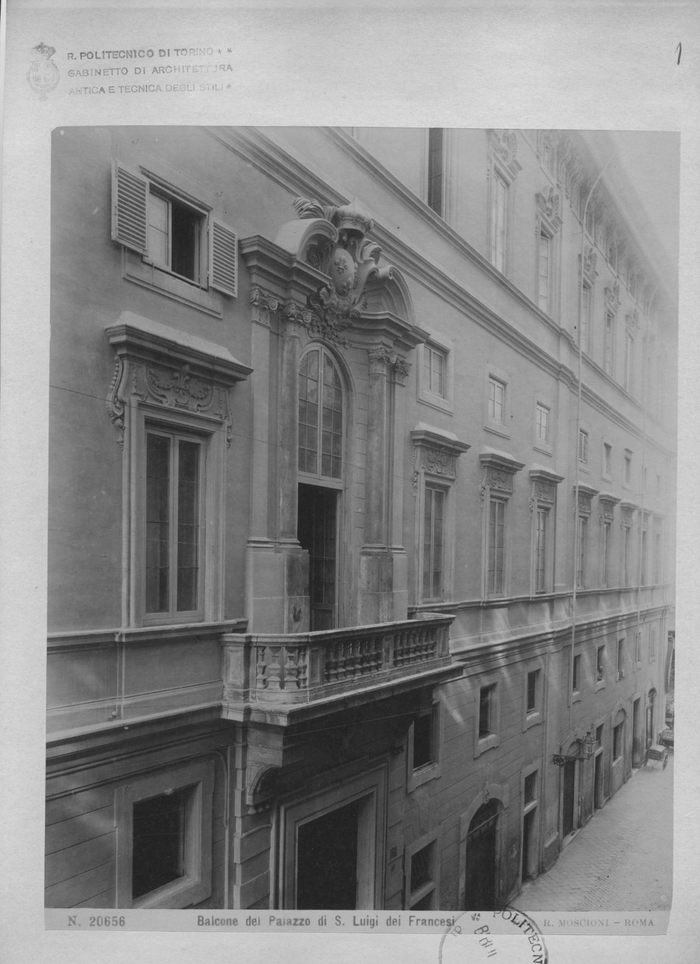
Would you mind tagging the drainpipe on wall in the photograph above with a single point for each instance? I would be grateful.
(576, 444)
(640, 562)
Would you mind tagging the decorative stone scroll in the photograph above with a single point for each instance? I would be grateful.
(331, 328)
(381, 358)
(498, 471)
(263, 305)
(435, 453)
(345, 255)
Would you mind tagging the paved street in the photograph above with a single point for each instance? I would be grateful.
(621, 859)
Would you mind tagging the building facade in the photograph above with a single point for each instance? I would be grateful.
(361, 512)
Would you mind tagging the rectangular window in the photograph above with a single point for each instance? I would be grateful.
(495, 577)
(542, 418)
(424, 739)
(585, 331)
(600, 664)
(606, 535)
(436, 141)
(532, 690)
(607, 460)
(645, 557)
(497, 401)
(434, 370)
(626, 555)
(576, 684)
(530, 788)
(620, 658)
(158, 841)
(652, 642)
(422, 878)
(543, 273)
(627, 477)
(499, 208)
(487, 696)
(175, 236)
(541, 551)
(617, 741)
(609, 344)
(164, 838)
(629, 362)
(433, 542)
(582, 558)
(583, 447)
(644, 478)
(658, 559)
(173, 523)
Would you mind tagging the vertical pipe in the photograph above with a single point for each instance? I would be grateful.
(576, 443)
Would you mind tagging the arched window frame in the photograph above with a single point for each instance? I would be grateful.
(318, 477)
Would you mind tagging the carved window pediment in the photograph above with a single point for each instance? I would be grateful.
(498, 471)
(585, 496)
(159, 366)
(504, 147)
(606, 507)
(544, 485)
(548, 209)
(590, 259)
(612, 296)
(435, 452)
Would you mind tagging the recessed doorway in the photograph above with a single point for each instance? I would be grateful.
(317, 531)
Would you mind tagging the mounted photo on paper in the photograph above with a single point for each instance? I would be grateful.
(362, 520)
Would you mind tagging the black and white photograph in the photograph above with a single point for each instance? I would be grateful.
(347, 486)
(361, 519)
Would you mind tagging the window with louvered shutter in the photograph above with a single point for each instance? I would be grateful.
(223, 268)
(129, 209)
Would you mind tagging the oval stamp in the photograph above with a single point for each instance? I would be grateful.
(489, 927)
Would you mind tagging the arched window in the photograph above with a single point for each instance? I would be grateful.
(320, 416)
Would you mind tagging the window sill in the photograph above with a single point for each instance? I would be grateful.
(416, 778)
(147, 275)
(179, 894)
(600, 684)
(497, 429)
(532, 719)
(576, 697)
(436, 401)
(485, 743)
(543, 448)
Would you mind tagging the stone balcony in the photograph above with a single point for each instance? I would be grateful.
(268, 676)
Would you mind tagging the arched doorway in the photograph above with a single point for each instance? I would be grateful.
(480, 892)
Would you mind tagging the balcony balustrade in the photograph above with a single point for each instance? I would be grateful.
(279, 670)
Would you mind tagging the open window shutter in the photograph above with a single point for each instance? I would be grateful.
(223, 258)
(129, 208)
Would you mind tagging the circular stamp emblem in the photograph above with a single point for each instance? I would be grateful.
(508, 934)
(43, 74)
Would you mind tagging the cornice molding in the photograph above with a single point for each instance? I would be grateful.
(256, 148)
